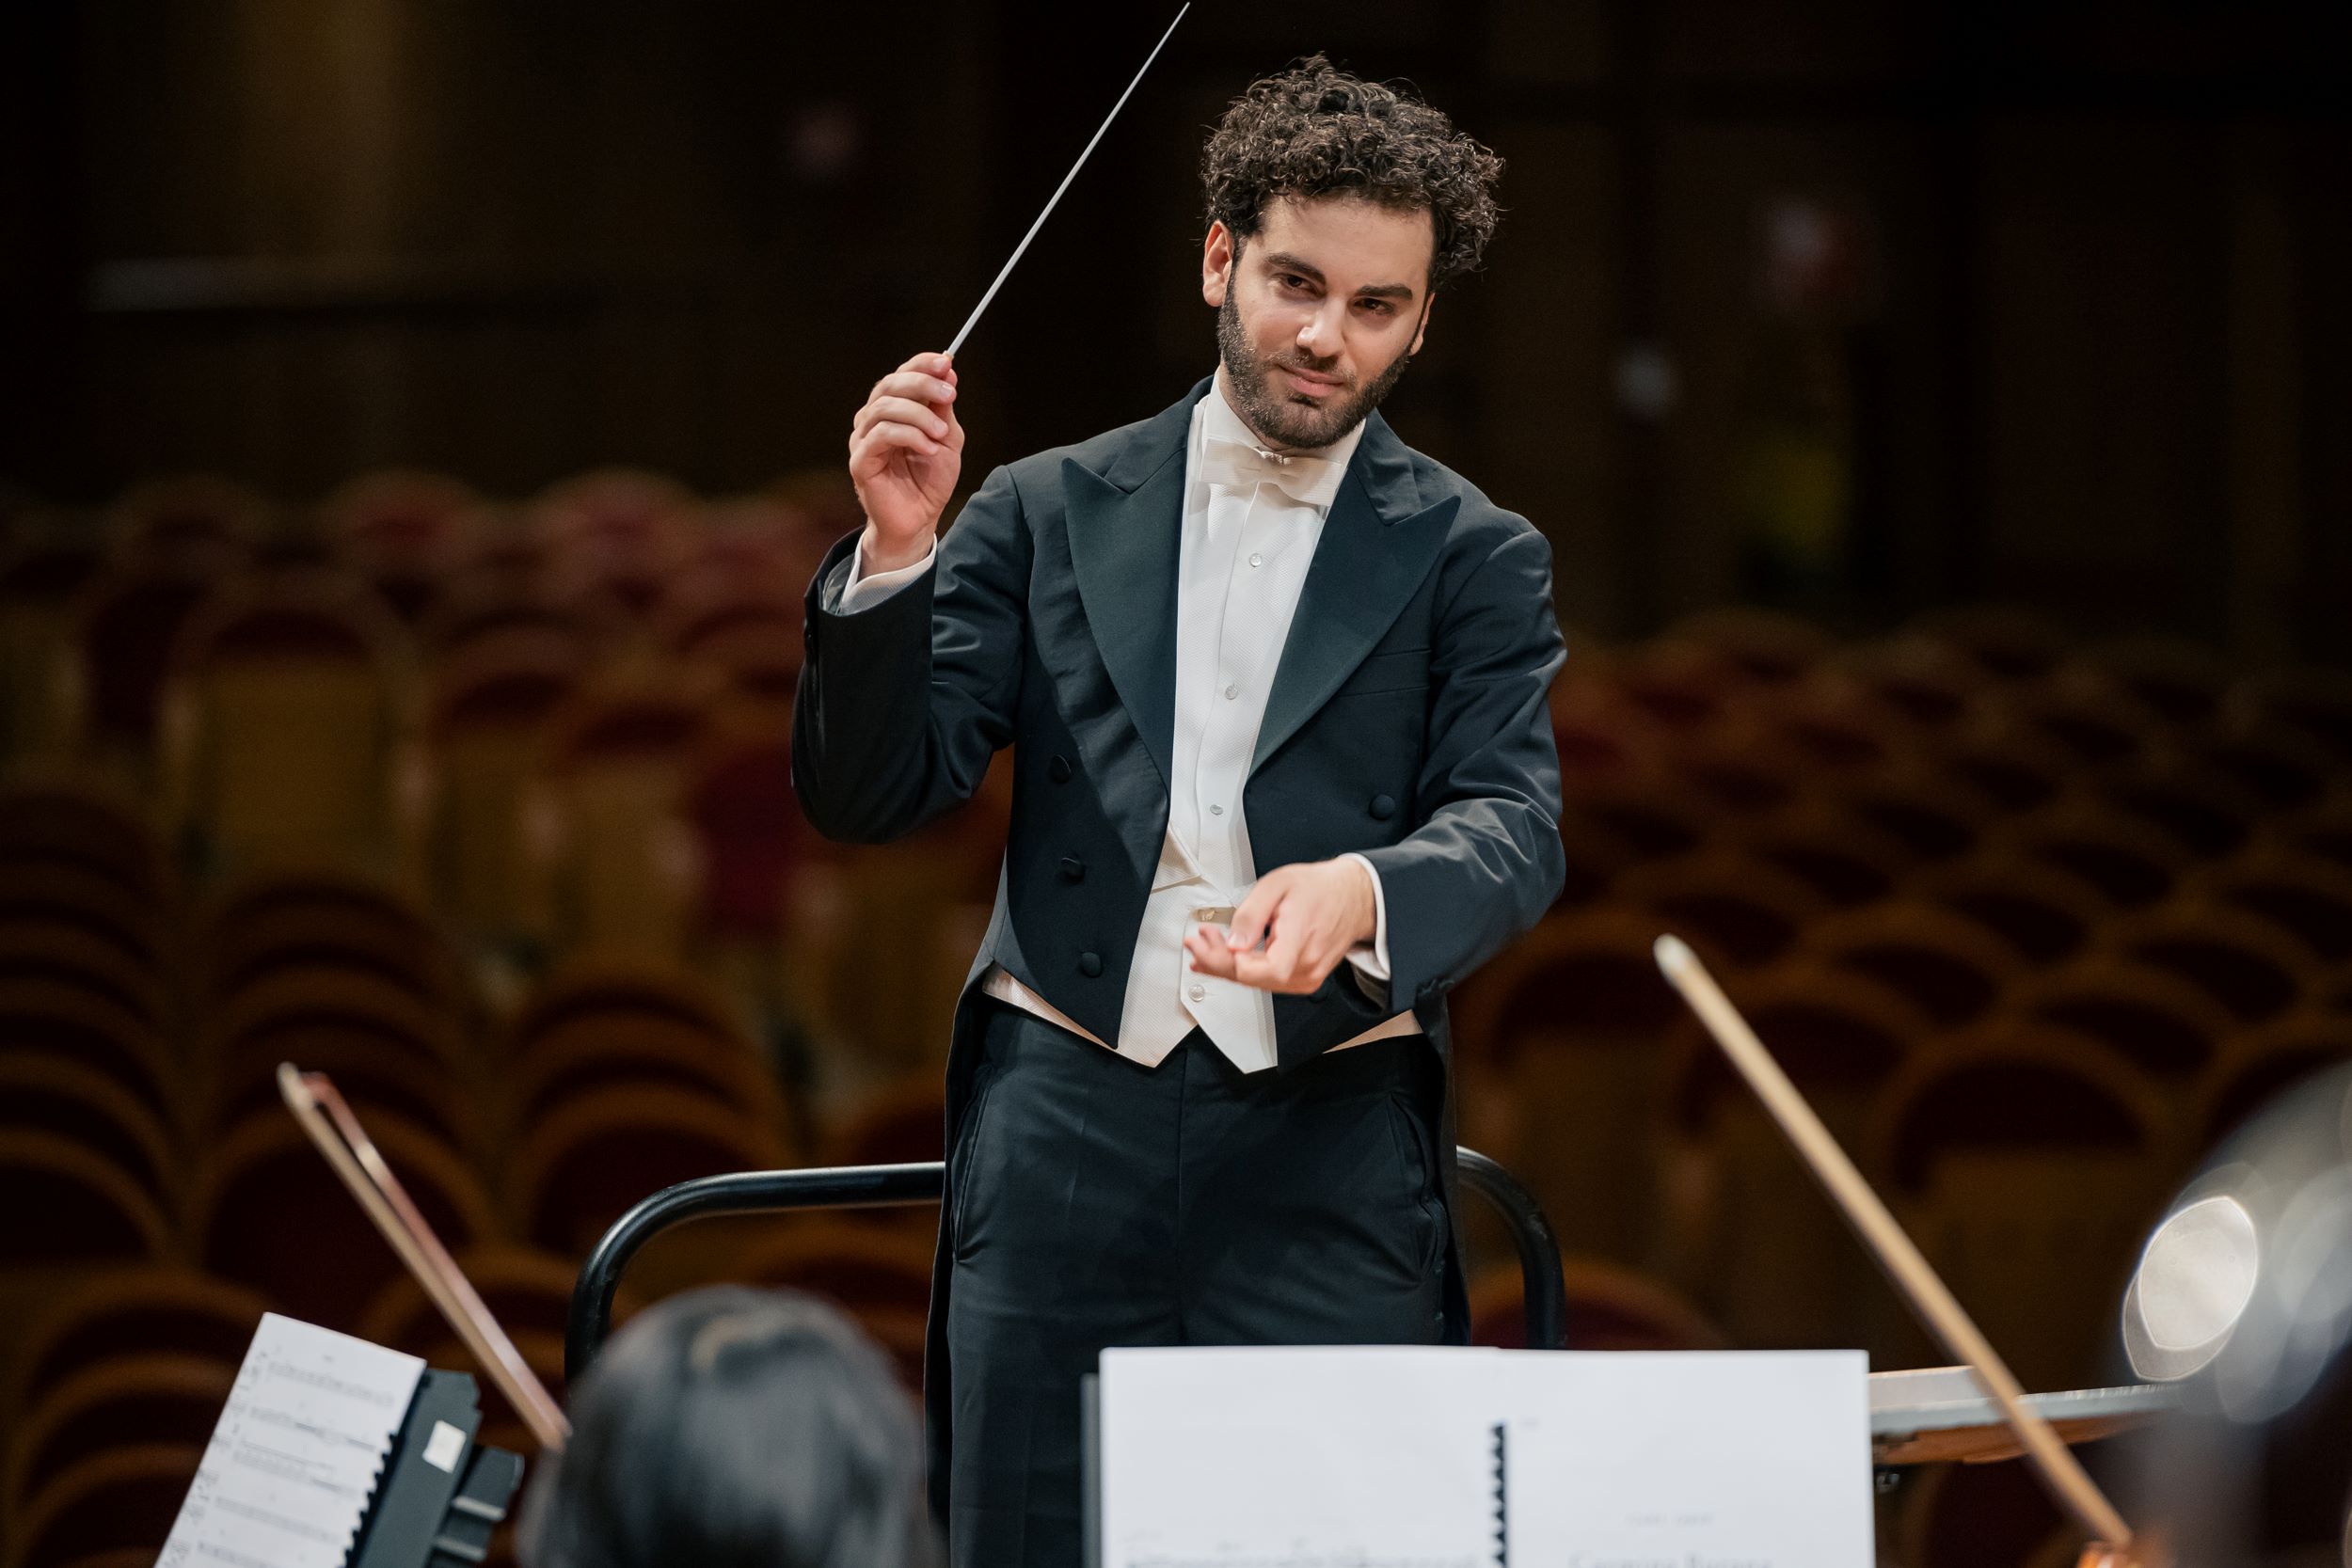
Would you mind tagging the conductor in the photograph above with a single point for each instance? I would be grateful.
(1283, 775)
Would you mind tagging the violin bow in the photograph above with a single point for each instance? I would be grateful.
(330, 1124)
(1929, 1297)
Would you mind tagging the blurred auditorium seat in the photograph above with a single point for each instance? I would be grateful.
(1743, 769)
(2209, 816)
(267, 1214)
(1840, 727)
(2129, 863)
(1934, 687)
(2263, 1063)
(591, 1053)
(60, 1097)
(120, 1311)
(904, 1122)
(2010, 773)
(285, 719)
(2182, 683)
(625, 531)
(1847, 860)
(751, 841)
(2314, 702)
(1978, 1517)
(527, 1291)
(68, 953)
(2103, 729)
(2158, 1021)
(146, 1397)
(1951, 967)
(321, 920)
(117, 1499)
(2009, 643)
(43, 1018)
(1746, 910)
(1609, 1308)
(1934, 820)
(1562, 1077)
(1765, 645)
(1645, 818)
(189, 516)
(384, 1049)
(403, 530)
(141, 928)
(2045, 915)
(52, 822)
(39, 579)
(595, 1156)
(489, 706)
(597, 987)
(2245, 963)
(68, 1203)
(124, 626)
(2283, 768)
(2027, 1170)
(613, 778)
(2310, 900)
(493, 601)
(1746, 1226)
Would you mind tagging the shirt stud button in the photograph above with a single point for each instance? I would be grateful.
(1232, 690)
(1256, 560)
(1198, 992)
(1216, 811)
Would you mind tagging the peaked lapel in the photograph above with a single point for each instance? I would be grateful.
(1376, 546)
(1126, 524)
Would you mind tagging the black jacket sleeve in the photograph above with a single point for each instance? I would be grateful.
(902, 704)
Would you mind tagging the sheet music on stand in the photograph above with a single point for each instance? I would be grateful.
(332, 1452)
(298, 1452)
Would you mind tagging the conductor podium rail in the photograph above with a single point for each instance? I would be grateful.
(893, 1186)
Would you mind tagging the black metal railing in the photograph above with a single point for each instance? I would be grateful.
(892, 1186)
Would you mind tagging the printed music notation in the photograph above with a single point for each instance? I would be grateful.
(296, 1452)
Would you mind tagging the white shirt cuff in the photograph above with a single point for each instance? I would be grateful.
(1371, 959)
(862, 591)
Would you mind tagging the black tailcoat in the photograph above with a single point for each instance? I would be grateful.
(1407, 720)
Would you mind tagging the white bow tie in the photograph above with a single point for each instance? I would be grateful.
(1241, 464)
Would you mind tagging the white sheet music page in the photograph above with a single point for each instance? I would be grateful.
(1746, 1459)
(1318, 1458)
(296, 1454)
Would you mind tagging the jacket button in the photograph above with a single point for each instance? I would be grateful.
(1057, 769)
(1072, 869)
(1383, 806)
(1090, 964)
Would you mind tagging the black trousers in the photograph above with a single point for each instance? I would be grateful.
(1096, 1202)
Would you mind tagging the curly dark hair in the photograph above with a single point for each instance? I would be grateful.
(1314, 129)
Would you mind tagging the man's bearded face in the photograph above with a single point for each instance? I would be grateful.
(1322, 309)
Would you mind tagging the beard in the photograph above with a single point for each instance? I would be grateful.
(1288, 420)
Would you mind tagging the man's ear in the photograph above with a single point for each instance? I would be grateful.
(1216, 264)
(1421, 331)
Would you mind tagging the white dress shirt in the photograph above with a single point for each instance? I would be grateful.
(1251, 524)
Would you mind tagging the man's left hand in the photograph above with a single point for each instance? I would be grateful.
(1308, 916)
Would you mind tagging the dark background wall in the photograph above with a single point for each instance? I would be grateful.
(1854, 308)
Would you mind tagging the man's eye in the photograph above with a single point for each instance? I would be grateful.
(1380, 306)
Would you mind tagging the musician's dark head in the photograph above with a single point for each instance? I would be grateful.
(735, 1427)
(1337, 210)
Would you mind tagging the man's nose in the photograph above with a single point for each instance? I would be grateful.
(1319, 334)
